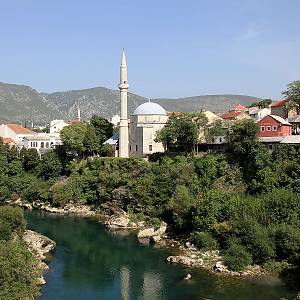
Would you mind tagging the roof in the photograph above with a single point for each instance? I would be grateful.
(290, 139)
(279, 103)
(294, 119)
(230, 115)
(150, 108)
(239, 107)
(18, 129)
(8, 141)
(280, 120)
(255, 110)
(114, 140)
(38, 138)
(71, 122)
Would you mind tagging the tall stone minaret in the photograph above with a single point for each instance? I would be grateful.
(78, 113)
(123, 86)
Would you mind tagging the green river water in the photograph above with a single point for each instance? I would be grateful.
(92, 263)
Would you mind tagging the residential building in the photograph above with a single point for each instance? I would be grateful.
(280, 108)
(57, 125)
(234, 115)
(295, 121)
(273, 126)
(238, 108)
(257, 113)
(15, 132)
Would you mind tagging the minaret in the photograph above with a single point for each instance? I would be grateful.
(123, 86)
(78, 113)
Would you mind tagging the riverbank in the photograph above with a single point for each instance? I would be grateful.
(40, 246)
(186, 253)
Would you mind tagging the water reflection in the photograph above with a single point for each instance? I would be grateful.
(90, 263)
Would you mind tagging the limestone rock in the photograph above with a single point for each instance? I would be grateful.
(183, 260)
(38, 244)
(220, 267)
(150, 232)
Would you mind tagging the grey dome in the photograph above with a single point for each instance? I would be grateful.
(150, 108)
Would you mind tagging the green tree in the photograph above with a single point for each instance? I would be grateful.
(292, 94)
(103, 128)
(50, 166)
(91, 141)
(30, 159)
(73, 137)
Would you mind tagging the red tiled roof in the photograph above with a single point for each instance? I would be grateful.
(19, 129)
(8, 141)
(239, 107)
(279, 103)
(230, 115)
(75, 121)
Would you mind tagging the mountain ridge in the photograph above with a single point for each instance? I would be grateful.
(24, 103)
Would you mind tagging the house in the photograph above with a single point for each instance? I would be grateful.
(15, 132)
(257, 113)
(295, 121)
(273, 126)
(238, 108)
(57, 125)
(234, 115)
(8, 141)
(42, 142)
(272, 142)
(280, 108)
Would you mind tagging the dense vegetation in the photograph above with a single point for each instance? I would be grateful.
(246, 203)
(18, 268)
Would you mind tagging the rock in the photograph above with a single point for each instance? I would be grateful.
(150, 232)
(183, 260)
(155, 239)
(41, 281)
(120, 221)
(297, 297)
(146, 233)
(220, 267)
(188, 244)
(188, 277)
(38, 244)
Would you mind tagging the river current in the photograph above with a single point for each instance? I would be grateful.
(91, 263)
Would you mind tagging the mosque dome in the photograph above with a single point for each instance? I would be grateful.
(150, 108)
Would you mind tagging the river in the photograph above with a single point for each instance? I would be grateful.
(91, 263)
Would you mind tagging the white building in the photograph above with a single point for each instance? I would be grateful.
(147, 119)
(115, 120)
(258, 113)
(57, 125)
(15, 132)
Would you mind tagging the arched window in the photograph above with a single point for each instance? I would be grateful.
(47, 144)
(42, 145)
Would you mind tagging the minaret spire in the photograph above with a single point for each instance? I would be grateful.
(78, 113)
(123, 87)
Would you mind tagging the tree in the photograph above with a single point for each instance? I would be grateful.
(292, 94)
(182, 131)
(30, 159)
(103, 128)
(50, 166)
(73, 137)
(91, 142)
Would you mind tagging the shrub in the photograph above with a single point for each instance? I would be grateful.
(11, 220)
(204, 240)
(236, 257)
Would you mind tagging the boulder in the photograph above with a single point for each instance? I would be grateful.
(183, 260)
(150, 232)
(38, 244)
(188, 277)
(220, 267)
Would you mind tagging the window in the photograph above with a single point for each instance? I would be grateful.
(268, 128)
(31, 144)
(136, 148)
(213, 140)
(220, 140)
(274, 128)
(129, 147)
(150, 148)
(262, 128)
(42, 145)
(270, 147)
(47, 144)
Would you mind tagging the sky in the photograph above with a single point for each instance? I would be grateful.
(173, 48)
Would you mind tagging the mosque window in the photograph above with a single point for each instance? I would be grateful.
(136, 148)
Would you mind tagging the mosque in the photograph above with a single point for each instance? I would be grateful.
(137, 135)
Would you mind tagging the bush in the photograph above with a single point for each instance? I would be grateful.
(11, 221)
(236, 257)
(204, 240)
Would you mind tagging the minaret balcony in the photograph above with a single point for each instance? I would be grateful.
(123, 86)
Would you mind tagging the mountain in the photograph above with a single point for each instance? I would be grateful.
(22, 103)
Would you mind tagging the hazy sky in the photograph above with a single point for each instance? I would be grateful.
(174, 48)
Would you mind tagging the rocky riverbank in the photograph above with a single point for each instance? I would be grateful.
(40, 246)
(117, 219)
